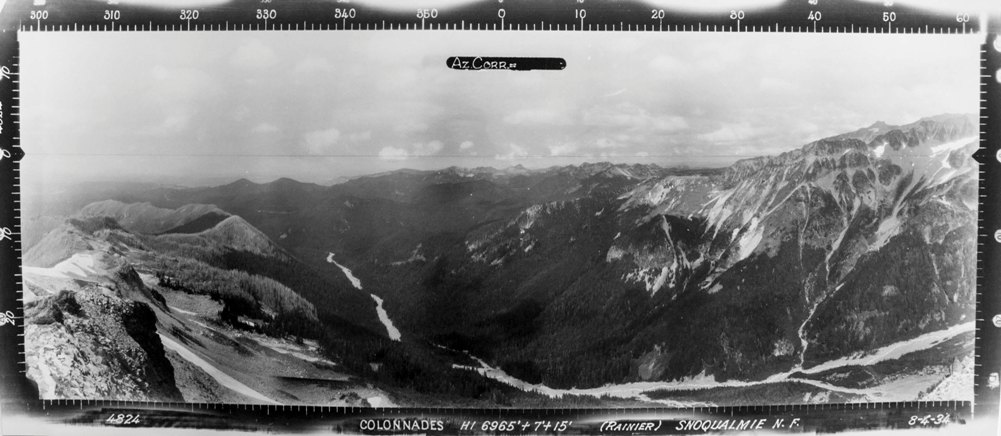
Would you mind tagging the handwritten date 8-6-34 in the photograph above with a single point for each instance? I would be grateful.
(940, 419)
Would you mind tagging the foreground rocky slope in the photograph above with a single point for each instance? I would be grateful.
(108, 318)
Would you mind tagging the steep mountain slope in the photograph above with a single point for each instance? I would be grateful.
(90, 326)
(146, 218)
(776, 263)
(103, 322)
(233, 233)
(860, 230)
(218, 315)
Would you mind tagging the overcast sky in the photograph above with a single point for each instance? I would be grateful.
(209, 107)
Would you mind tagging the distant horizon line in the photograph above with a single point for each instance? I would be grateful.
(344, 179)
(700, 162)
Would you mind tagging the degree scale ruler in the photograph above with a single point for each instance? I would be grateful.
(806, 16)
(518, 15)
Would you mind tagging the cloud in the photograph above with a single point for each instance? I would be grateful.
(253, 54)
(536, 116)
(608, 143)
(770, 84)
(416, 150)
(428, 148)
(732, 132)
(466, 145)
(393, 153)
(240, 113)
(410, 126)
(562, 149)
(319, 141)
(180, 85)
(360, 136)
(171, 124)
(264, 128)
(615, 93)
(631, 116)
(515, 151)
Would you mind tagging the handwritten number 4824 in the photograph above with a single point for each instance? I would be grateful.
(122, 419)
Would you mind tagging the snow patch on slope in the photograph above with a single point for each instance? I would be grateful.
(78, 266)
(391, 330)
(953, 145)
(652, 278)
(719, 212)
(879, 150)
(888, 228)
(750, 239)
(224, 379)
(956, 386)
(182, 311)
(347, 272)
(380, 402)
(896, 350)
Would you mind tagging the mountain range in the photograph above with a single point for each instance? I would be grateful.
(504, 285)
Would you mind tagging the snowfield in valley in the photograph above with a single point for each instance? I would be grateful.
(391, 330)
(638, 390)
(347, 272)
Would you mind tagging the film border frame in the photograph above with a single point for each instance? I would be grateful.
(515, 15)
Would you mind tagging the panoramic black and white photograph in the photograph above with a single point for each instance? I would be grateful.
(316, 218)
